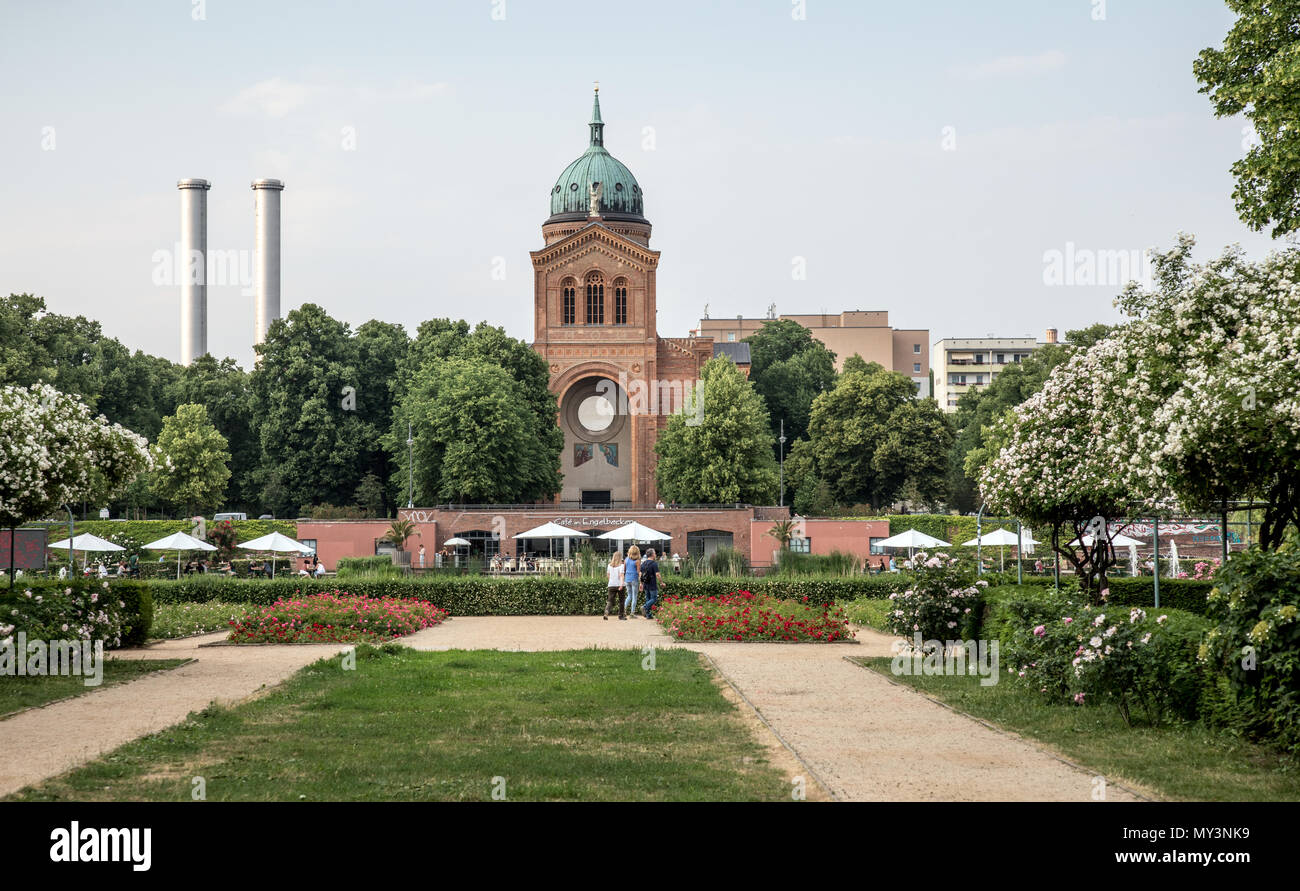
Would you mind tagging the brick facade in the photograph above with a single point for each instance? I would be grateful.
(594, 322)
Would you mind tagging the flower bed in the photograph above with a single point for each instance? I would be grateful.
(335, 617)
(744, 616)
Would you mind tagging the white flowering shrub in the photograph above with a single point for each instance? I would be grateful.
(1194, 401)
(53, 452)
(77, 611)
(941, 604)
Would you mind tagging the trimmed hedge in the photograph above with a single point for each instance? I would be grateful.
(533, 596)
(1188, 595)
(137, 596)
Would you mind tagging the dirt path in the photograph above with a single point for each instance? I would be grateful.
(45, 742)
(860, 736)
(863, 737)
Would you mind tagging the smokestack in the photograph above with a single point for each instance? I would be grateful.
(1051, 335)
(194, 266)
(266, 259)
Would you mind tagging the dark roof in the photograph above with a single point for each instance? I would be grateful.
(736, 352)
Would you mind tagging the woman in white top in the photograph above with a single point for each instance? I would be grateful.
(617, 583)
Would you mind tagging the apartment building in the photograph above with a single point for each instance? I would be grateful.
(966, 363)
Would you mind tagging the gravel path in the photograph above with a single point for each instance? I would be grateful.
(862, 736)
(44, 742)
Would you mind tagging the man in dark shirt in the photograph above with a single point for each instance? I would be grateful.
(650, 579)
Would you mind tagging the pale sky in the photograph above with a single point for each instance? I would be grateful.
(758, 138)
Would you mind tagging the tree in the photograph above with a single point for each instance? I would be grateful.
(190, 461)
(783, 532)
(914, 451)
(473, 436)
(381, 349)
(223, 389)
(849, 429)
(1079, 448)
(399, 532)
(371, 495)
(1257, 73)
(789, 368)
(1225, 335)
(313, 442)
(55, 453)
(727, 456)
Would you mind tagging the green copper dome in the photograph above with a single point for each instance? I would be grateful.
(620, 195)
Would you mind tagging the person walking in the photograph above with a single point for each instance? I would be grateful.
(650, 580)
(615, 573)
(422, 555)
(631, 575)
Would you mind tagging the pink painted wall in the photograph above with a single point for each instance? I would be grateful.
(847, 536)
(356, 538)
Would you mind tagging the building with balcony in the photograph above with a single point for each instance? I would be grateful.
(966, 363)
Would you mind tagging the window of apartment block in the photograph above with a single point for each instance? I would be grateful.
(916, 368)
(1002, 358)
(916, 348)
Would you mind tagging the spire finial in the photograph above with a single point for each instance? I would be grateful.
(597, 126)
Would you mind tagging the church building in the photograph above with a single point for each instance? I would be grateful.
(595, 324)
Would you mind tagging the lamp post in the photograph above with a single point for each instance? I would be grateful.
(782, 442)
(410, 468)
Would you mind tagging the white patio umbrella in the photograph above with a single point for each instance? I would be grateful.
(634, 532)
(552, 531)
(457, 543)
(911, 539)
(86, 542)
(276, 542)
(999, 537)
(178, 541)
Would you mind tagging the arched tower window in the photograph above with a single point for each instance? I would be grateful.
(569, 302)
(620, 301)
(595, 299)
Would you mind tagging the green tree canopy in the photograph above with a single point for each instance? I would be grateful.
(789, 368)
(223, 389)
(313, 445)
(725, 457)
(191, 461)
(473, 437)
(1257, 73)
(849, 430)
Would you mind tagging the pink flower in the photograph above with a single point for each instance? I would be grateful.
(1078, 698)
(1040, 631)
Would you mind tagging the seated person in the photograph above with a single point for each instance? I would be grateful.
(320, 569)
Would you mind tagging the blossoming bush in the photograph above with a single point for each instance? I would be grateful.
(73, 611)
(1255, 643)
(941, 604)
(1120, 655)
(335, 617)
(746, 616)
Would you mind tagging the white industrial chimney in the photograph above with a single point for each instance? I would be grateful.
(194, 268)
(266, 255)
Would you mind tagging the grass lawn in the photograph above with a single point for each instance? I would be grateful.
(870, 612)
(172, 620)
(418, 726)
(1177, 761)
(18, 693)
